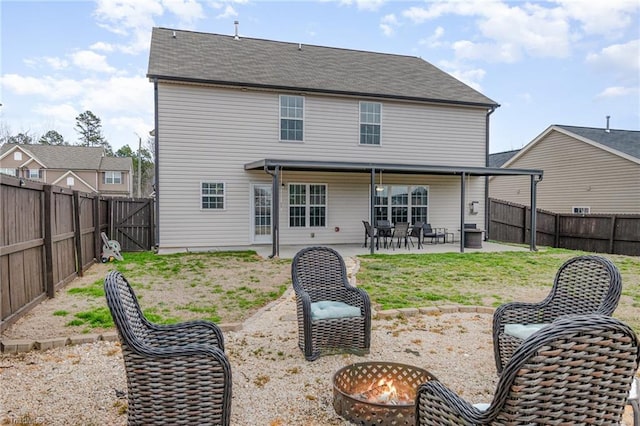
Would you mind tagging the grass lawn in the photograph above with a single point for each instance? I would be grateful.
(229, 286)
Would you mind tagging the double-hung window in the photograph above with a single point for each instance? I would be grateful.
(370, 114)
(212, 195)
(35, 174)
(291, 118)
(113, 177)
(307, 205)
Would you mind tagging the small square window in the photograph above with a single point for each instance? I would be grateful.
(17, 156)
(212, 195)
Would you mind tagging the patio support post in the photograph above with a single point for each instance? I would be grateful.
(462, 176)
(372, 208)
(275, 211)
(532, 241)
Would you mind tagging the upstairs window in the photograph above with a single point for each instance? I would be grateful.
(17, 156)
(291, 118)
(7, 171)
(212, 195)
(112, 178)
(70, 181)
(370, 113)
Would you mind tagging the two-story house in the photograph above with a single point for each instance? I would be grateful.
(85, 169)
(260, 141)
(586, 169)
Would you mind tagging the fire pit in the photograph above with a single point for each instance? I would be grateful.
(378, 393)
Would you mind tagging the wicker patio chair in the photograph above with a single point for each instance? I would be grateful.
(583, 285)
(176, 374)
(577, 370)
(333, 315)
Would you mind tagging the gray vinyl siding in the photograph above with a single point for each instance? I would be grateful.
(575, 174)
(209, 134)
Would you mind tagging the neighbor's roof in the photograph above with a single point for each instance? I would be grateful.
(249, 62)
(624, 143)
(70, 157)
(499, 158)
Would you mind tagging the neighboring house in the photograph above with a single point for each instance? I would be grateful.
(261, 141)
(586, 170)
(85, 169)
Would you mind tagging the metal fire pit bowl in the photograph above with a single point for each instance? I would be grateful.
(352, 380)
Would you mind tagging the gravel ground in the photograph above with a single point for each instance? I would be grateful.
(273, 385)
(272, 382)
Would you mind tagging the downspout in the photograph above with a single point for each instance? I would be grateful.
(486, 178)
(156, 147)
(275, 211)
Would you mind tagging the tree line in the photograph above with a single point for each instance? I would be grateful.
(89, 129)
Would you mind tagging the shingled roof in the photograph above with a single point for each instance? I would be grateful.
(625, 141)
(249, 62)
(71, 157)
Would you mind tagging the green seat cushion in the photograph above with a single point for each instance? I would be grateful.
(522, 331)
(326, 309)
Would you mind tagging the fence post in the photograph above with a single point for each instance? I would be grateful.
(524, 224)
(78, 233)
(556, 237)
(612, 237)
(97, 239)
(48, 241)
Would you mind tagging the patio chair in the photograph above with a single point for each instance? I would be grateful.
(176, 374)
(577, 370)
(333, 316)
(369, 231)
(416, 232)
(583, 285)
(385, 231)
(401, 233)
(434, 234)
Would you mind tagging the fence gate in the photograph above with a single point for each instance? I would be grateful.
(132, 223)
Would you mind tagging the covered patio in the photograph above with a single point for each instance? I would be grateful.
(275, 167)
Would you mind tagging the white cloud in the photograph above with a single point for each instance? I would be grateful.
(91, 61)
(606, 18)
(505, 33)
(618, 91)
(434, 40)
(621, 57)
(102, 47)
(387, 24)
(470, 77)
(188, 11)
(229, 12)
(60, 113)
(371, 5)
(48, 87)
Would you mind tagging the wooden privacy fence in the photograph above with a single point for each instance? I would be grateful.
(598, 233)
(49, 235)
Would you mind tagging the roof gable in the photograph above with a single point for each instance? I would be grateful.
(247, 62)
(62, 156)
(623, 143)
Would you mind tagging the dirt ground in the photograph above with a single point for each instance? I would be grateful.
(220, 291)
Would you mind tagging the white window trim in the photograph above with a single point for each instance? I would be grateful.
(112, 173)
(360, 123)
(224, 196)
(307, 205)
(389, 206)
(17, 155)
(304, 119)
